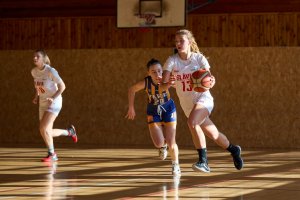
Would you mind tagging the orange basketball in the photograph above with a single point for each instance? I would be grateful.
(202, 80)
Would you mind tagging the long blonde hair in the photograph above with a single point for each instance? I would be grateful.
(45, 56)
(191, 38)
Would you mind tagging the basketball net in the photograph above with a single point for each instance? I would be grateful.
(147, 23)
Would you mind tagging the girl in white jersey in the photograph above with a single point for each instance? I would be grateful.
(197, 106)
(49, 87)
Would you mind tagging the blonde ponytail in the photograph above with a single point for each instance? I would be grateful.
(47, 60)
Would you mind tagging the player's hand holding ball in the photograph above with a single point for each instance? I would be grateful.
(202, 80)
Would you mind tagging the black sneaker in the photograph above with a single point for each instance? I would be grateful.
(237, 158)
(201, 166)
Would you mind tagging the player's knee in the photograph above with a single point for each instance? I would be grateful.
(215, 136)
(191, 123)
(44, 130)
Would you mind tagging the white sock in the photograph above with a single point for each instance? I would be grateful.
(51, 149)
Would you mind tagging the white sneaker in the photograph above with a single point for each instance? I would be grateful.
(176, 169)
(163, 152)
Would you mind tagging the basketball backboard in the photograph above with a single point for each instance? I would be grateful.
(150, 13)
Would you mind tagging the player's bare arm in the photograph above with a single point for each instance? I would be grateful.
(131, 95)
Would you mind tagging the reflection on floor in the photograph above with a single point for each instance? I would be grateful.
(91, 173)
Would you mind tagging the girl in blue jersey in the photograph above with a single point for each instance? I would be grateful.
(49, 86)
(161, 113)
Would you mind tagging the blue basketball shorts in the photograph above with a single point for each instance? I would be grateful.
(164, 114)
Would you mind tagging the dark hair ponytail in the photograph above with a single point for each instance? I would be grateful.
(151, 62)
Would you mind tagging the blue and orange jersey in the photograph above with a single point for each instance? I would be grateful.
(155, 95)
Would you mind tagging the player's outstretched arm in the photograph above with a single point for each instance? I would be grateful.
(131, 96)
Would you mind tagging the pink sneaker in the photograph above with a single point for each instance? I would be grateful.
(50, 158)
(72, 133)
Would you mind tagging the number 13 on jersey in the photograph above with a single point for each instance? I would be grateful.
(186, 85)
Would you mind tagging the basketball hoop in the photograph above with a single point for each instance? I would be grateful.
(148, 20)
(150, 13)
(147, 23)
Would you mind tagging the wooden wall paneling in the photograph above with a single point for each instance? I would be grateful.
(76, 33)
(270, 33)
(8, 35)
(285, 27)
(26, 37)
(272, 29)
(246, 30)
(214, 31)
(17, 34)
(261, 27)
(88, 33)
(255, 31)
(45, 40)
(2, 34)
(116, 35)
(164, 37)
(232, 30)
(42, 34)
(98, 33)
(281, 30)
(298, 29)
(238, 26)
(289, 30)
(224, 29)
(67, 33)
(293, 27)
(200, 31)
(36, 30)
(54, 33)
(105, 33)
(236, 29)
(241, 28)
(34, 33)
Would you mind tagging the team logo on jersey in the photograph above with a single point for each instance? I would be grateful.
(195, 68)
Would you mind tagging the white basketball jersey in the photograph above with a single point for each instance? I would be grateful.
(45, 81)
(183, 70)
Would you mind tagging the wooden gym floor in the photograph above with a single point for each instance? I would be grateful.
(94, 173)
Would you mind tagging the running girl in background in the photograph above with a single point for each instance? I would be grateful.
(49, 86)
(197, 106)
(161, 113)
